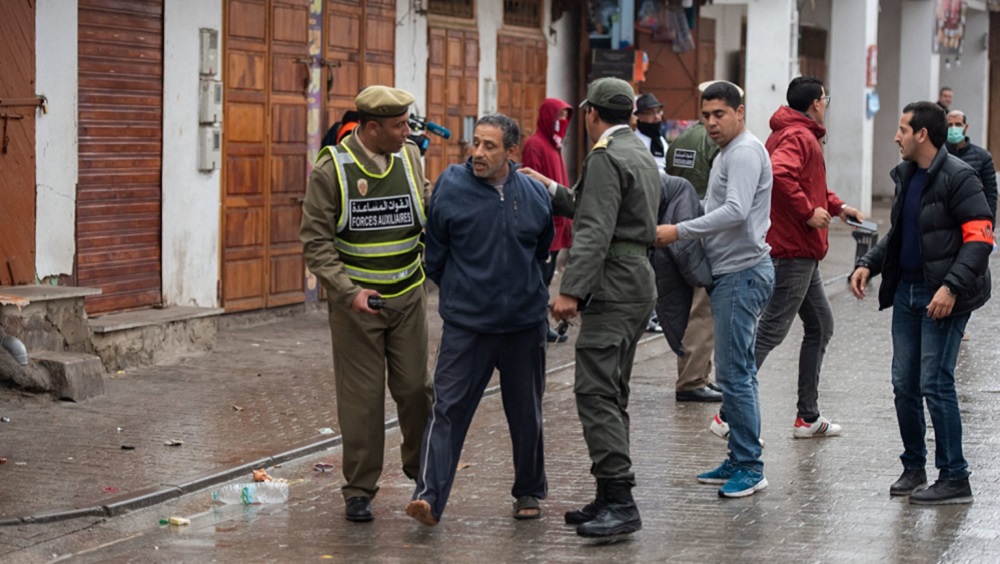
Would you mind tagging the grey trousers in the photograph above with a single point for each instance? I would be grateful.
(798, 290)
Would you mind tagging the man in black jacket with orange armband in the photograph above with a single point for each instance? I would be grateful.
(935, 271)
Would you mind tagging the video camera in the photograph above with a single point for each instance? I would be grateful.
(421, 127)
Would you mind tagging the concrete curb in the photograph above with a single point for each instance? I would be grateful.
(154, 495)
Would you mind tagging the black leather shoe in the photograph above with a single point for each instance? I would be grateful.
(715, 387)
(613, 519)
(944, 492)
(909, 482)
(359, 510)
(705, 394)
(589, 511)
(584, 514)
(617, 516)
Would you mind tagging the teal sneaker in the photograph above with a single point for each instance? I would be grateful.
(720, 475)
(743, 483)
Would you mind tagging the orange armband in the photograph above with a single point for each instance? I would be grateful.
(977, 231)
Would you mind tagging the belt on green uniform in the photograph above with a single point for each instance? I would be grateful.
(626, 248)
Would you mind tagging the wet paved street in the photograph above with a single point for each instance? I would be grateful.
(827, 501)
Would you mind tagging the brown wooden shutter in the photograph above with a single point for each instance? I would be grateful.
(17, 135)
(119, 191)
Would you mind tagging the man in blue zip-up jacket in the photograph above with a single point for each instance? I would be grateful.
(488, 233)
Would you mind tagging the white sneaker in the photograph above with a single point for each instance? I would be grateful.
(721, 429)
(822, 427)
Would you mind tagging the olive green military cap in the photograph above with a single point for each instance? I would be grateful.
(610, 93)
(383, 101)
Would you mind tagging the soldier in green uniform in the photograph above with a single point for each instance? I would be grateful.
(361, 224)
(616, 201)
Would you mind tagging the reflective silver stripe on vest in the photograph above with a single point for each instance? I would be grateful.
(339, 161)
(377, 249)
(414, 195)
(383, 277)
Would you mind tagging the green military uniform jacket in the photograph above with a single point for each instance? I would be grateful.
(690, 156)
(616, 201)
(321, 210)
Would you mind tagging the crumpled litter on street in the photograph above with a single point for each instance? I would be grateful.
(323, 466)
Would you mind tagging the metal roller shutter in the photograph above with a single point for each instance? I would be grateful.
(119, 191)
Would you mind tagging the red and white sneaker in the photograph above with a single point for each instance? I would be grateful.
(822, 427)
(720, 428)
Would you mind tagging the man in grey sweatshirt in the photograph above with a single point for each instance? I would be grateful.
(737, 216)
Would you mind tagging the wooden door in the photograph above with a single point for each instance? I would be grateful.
(812, 52)
(17, 136)
(264, 176)
(118, 210)
(452, 93)
(359, 49)
(673, 77)
(521, 67)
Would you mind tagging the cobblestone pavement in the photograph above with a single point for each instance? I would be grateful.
(827, 501)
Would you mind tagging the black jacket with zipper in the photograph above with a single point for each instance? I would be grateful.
(953, 196)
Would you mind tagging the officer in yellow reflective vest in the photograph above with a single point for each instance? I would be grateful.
(361, 224)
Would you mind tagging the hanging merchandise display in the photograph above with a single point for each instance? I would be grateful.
(949, 27)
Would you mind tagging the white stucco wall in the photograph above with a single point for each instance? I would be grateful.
(412, 53)
(968, 75)
(849, 149)
(728, 20)
(772, 60)
(917, 25)
(489, 19)
(562, 72)
(56, 140)
(886, 152)
(191, 199)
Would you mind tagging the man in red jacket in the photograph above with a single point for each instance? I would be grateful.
(543, 152)
(801, 209)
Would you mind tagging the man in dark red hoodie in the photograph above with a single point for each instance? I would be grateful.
(543, 152)
(801, 209)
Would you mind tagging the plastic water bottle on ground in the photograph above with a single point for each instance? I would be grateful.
(250, 493)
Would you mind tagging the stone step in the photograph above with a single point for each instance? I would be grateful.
(72, 376)
(48, 318)
(153, 336)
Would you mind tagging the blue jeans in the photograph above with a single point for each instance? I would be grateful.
(738, 299)
(924, 353)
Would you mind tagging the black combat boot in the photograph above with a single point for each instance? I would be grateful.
(618, 516)
(589, 511)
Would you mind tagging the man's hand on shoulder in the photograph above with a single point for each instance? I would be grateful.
(820, 219)
(536, 175)
(360, 303)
